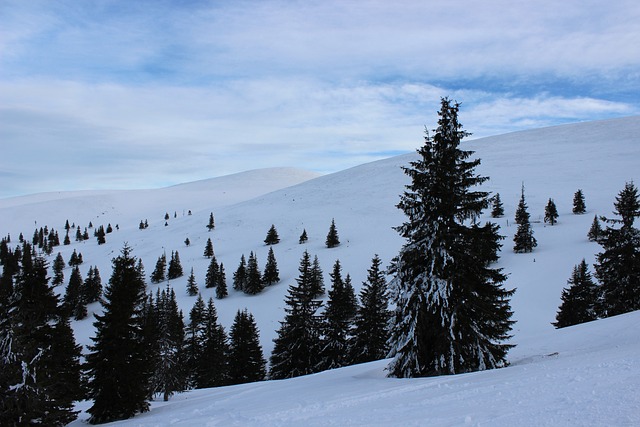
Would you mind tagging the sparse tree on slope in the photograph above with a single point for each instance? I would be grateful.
(524, 240)
(272, 236)
(271, 274)
(246, 361)
(58, 267)
(254, 284)
(208, 249)
(175, 268)
(212, 368)
(579, 299)
(221, 287)
(303, 237)
(579, 206)
(551, 212)
(211, 225)
(595, 231)
(498, 209)
(158, 274)
(240, 276)
(92, 289)
(332, 237)
(74, 303)
(213, 271)
(192, 286)
(317, 279)
(452, 314)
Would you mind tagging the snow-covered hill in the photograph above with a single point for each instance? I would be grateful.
(597, 157)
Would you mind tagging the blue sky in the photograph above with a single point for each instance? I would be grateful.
(121, 94)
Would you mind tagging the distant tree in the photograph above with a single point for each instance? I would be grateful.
(194, 340)
(141, 226)
(317, 279)
(158, 274)
(272, 236)
(79, 237)
(579, 206)
(166, 216)
(67, 227)
(246, 361)
(58, 267)
(240, 276)
(212, 369)
(175, 268)
(213, 271)
(524, 240)
(551, 213)
(85, 235)
(100, 235)
(73, 302)
(221, 288)
(92, 289)
(595, 231)
(109, 228)
(371, 333)
(187, 242)
(579, 299)
(208, 249)
(271, 273)
(303, 237)
(498, 209)
(192, 286)
(67, 240)
(253, 284)
(211, 225)
(332, 237)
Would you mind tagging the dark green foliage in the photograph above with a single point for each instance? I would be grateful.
(194, 340)
(296, 348)
(221, 288)
(618, 265)
(272, 236)
(187, 242)
(240, 276)
(579, 299)
(246, 361)
(339, 315)
(332, 237)
(371, 333)
(452, 313)
(595, 231)
(551, 212)
(158, 274)
(100, 235)
(579, 206)
(118, 364)
(213, 273)
(73, 302)
(497, 210)
(175, 268)
(523, 239)
(211, 225)
(212, 368)
(317, 279)
(58, 267)
(208, 249)
(271, 273)
(67, 239)
(75, 259)
(303, 237)
(92, 289)
(253, 284)
(192, 286)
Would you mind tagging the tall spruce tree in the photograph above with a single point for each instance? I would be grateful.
(371, 333)
(497, 210)
(213, 271)
(618, 265)
(240, 276)
(208, 249)
(194, 340)
(74, 303)
(58, 267)
(221, 287)
(212, 368)
(192, 286)
(579, 299)
(296, 348)
(551, 212)
(271, 273)
(579, 206)
(595, 231)
(272, 236)
(317, 279)
(452, 314)
(175, 267)
(118, 363)
(523, 239)
(211, 225)
(332, 237)
(253, 284)
(246, 361)
(158, 274)
(92, 288)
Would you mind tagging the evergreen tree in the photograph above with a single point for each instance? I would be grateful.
(158, 274)
(618, 265)
(118, 363)
(332, 237)
(498, 209)
(192, 286)
(73, 302)
(187, 242)
(371, 334)
(100, 235)
(67, 239)
(208, 249)
(58, 267)
(79, 237)
(339, 315)
(75, 259)
(211, 225)
(317, 279)
(213, 272)
(212, 369)
(246, 361)
(595, 231)
(175, 268)
(296, 348)
(221, 288)
(579, 206)
(551, 213)
(452, 313)
(524, 240)
(254, 284)
(240, 276)
(92, 289)
(579, 299)
(272, 236)
(271, 273)
(303, 237)
(194, 339)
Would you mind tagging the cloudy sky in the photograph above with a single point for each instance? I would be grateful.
(113, 94)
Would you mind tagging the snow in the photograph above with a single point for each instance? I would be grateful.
(586, 375)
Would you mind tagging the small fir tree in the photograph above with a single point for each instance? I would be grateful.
(579, 206)
(595, 231)
(272, 236)
(92, 289)
(497, 210)
(246, 361)
(221, 288)
(58, 267)
(213, 271)
(158, 274)
(579, 299)
(332, 237)
(212, 369)
(73, 302)
(175, 268)
(254, 284)
(271, 273)
(187, 242)
(208, 249)
(211, 225)
(524, 240)
(317, 279)
(303, 237)
(240, 276)
(194, 340)
(192, 286)
(551, 213)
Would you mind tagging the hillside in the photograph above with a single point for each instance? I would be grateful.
(597, 157)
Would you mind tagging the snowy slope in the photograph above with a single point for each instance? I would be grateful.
(598, 157)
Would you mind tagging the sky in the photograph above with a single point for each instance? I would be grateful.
(114, 94)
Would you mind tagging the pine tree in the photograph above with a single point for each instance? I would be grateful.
(240, 276)
(158, 274)
(192, 286)
(551, 213)
(208, 249)
(452, 313)
(618, 265)
(254, 284)
(73, 302)
(303, 237)
(371, 334)
(221, 288)
(498, 209)
(194, 340)
(272, 236)
(175, 268)
(100, 235)
(211, 225)
(92, 289)
(75, 259)
(58, 267)
(296, 348)
(579, 299)
(67, 239)
(271, 273)
(579, 206)
(187, 242)
(524, 240)
(317, 279)
(339, 315)
(212, 369)
(213, 272)
(595, 231)
(118, 364)
(246, 361)
(332, 237)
